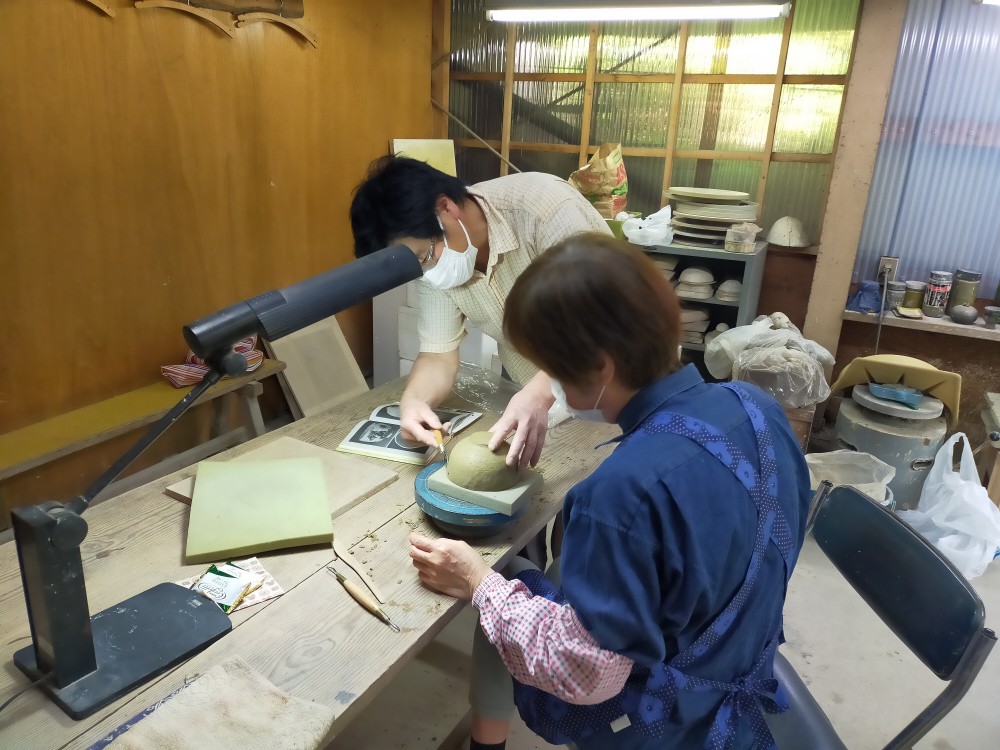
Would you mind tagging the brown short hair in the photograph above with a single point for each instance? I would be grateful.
(591, 295)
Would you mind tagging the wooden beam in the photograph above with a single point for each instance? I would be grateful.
(588, 94)
(773, 116)
(675, 108)
(802, 158)
(716, 154)
(508, 96)
(440, 64)
(818, 79)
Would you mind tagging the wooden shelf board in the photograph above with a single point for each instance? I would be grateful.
(944, 325)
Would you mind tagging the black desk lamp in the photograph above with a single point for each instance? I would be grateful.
(87, 662)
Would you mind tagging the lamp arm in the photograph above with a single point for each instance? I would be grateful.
(81, 502)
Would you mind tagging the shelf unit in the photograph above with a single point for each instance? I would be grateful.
(747, 267)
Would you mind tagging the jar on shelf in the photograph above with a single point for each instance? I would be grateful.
(965, 288)
(936, 298)
(894, 293)
(914, 295)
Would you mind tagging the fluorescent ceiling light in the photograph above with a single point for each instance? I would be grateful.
(988, 2)
(515, 11)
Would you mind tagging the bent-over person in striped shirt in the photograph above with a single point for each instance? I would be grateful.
(473, 243)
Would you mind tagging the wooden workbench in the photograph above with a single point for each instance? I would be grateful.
(314, 642)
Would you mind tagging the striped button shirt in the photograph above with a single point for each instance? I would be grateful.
(525, 214)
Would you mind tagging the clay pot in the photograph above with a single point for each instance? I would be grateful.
(471, 464)
(964, 314)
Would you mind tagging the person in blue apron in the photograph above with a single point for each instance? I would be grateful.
(659, 626)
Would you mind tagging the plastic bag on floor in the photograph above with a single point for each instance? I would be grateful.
(955, 513)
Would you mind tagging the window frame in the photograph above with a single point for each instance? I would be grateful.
(443, 75)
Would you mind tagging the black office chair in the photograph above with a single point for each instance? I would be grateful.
(923, 599)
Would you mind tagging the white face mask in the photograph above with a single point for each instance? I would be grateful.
(453, 268)
(588, 415)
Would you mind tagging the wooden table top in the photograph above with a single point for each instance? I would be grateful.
(314, 641)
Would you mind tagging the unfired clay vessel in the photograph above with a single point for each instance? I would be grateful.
(471, 464)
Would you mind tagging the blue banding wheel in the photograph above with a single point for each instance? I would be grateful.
(456, 516)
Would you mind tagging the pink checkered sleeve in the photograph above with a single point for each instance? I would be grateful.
(544, 644)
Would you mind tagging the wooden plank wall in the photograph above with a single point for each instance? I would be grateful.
(152, 170)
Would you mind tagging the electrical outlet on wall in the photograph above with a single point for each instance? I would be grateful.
(888, 262)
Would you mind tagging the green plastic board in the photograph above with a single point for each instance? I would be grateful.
(243, 507)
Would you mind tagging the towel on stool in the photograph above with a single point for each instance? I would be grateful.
(230, 705)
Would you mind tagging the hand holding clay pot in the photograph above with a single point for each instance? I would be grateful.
(527, 415)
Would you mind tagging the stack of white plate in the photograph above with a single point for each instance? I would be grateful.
(695, 282)
(666, 264)
(729, 291)
(701, 216)
(694, 323)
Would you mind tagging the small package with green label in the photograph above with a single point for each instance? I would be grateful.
(226, 585)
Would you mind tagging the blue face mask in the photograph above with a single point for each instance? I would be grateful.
(587, 415)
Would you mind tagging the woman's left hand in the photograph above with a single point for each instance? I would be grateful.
(448, 566)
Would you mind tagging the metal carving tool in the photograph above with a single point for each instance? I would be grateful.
(342, 553)
(363, 598)
(437, 435)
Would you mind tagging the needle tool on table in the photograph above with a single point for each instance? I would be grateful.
(362, 597)
(440, 441)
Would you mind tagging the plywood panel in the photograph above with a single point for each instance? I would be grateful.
(155, 170)
(321, 369)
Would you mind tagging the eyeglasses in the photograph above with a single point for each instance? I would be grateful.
(427, 262)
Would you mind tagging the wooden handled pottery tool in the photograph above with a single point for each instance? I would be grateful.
(440, 440)
(363, 598)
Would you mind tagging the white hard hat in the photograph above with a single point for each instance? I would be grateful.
(788, 232)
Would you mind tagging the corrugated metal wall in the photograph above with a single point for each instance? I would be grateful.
(936, 187)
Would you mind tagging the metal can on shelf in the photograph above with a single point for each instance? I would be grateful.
(965, 289)
(936, 298)
(914, 296)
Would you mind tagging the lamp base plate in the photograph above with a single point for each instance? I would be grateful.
(135, 641)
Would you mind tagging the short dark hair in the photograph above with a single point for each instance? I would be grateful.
(591, 295)
(397, 199)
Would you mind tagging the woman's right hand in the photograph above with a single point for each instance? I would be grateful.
(419, 421)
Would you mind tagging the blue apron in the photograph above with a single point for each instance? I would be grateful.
(650, 693)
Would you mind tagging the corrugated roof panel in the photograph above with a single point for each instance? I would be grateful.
(637, 47)
(734, 46)
(822, 36)
(727, 117)
(633, 114)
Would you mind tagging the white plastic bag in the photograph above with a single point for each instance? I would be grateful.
(723, 351)
(793, 378)
(955, 514)
(655, 229)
